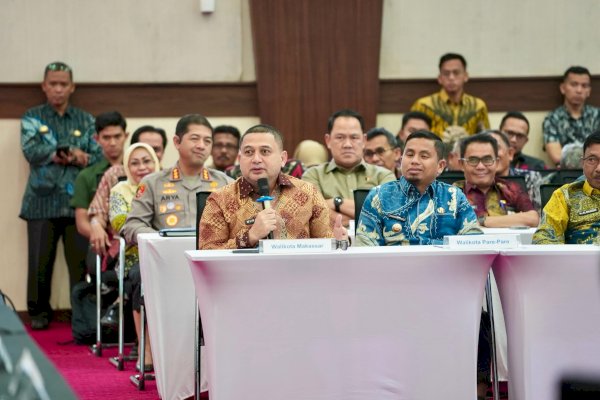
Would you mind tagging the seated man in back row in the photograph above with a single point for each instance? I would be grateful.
(233, 218)
(347, 171)
(416, 209)
(572, 215)
(498, 203)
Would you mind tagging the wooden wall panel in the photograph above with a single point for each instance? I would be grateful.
(312, 58)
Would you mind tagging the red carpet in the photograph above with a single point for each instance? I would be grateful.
(90, 377)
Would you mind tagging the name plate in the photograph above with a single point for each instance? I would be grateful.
(275, 246)
(496, 241)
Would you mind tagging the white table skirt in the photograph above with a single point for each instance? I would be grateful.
(551, 301)
(170, 305)
(369, 323)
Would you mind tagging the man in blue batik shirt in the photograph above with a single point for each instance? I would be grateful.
(416, 209)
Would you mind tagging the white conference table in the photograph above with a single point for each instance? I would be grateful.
(551, 301)
(169, 298)
(368, 323)
(526, 236)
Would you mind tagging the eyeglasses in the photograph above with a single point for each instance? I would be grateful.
(516, 135)
(474, 161)
(379, 151)
(226, 146)
(590, 161)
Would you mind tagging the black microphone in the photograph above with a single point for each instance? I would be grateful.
(263, 191)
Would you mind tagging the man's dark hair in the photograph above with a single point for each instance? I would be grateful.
(264, 128)
(415, 115)
(191, 119)
(452, 56)
(594, 138)
(111, 118)
(499, 133)
(391, 139)
(437, 142)
(58, 66)
(135, 137)
(345, 113)
(516, 115)
(232, 130)
(478, 138)
(577, 70)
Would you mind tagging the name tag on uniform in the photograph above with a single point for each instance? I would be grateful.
(586, 212)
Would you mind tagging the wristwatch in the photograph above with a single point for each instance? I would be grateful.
(481, 220)
(337, 202)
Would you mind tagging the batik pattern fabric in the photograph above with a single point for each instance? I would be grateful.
(559, 126)
(471, 112)
(533, 181)
(503, 198)
(396, 213)
(571, 216)
(50, 186)
(230, 212)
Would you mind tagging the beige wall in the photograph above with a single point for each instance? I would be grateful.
(159, 41)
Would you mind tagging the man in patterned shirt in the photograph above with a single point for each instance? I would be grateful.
(574, 121)
(451, 105)
(416, 209)
(498, 203)
(572, 215)
(516, 126)
(232, 217)
(57, 141)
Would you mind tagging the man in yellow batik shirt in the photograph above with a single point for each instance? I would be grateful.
(451, 105)
(572, 215)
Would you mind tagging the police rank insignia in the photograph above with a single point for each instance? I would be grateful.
(175, 174)
(76, 133)
(205, 174)
(172, 220)
(140, 191)
(44, 129)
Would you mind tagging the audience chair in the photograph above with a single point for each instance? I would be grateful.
(567, 175)
(97, 348)
(450, 177)
(118, 360)
(359, 198)
(139, 380)
(546, 191)
(518, 179)
(201, 198)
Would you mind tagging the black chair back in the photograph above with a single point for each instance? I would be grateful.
(200, 204)
(567, 175)
(359, 198)
(518, 179)
(546, 191)
(450, 177)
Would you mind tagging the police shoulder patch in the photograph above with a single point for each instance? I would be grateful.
(140, 191)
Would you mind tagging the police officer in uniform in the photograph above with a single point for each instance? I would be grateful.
(167, 199)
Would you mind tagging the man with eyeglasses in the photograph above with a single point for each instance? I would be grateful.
(347, 171)
(451, 105)
(498, 203)
(574, 120)
(516, 126)
(572, 215)
(382, 149)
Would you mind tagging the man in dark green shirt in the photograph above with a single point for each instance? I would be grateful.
(57, 142)
(111, 136)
